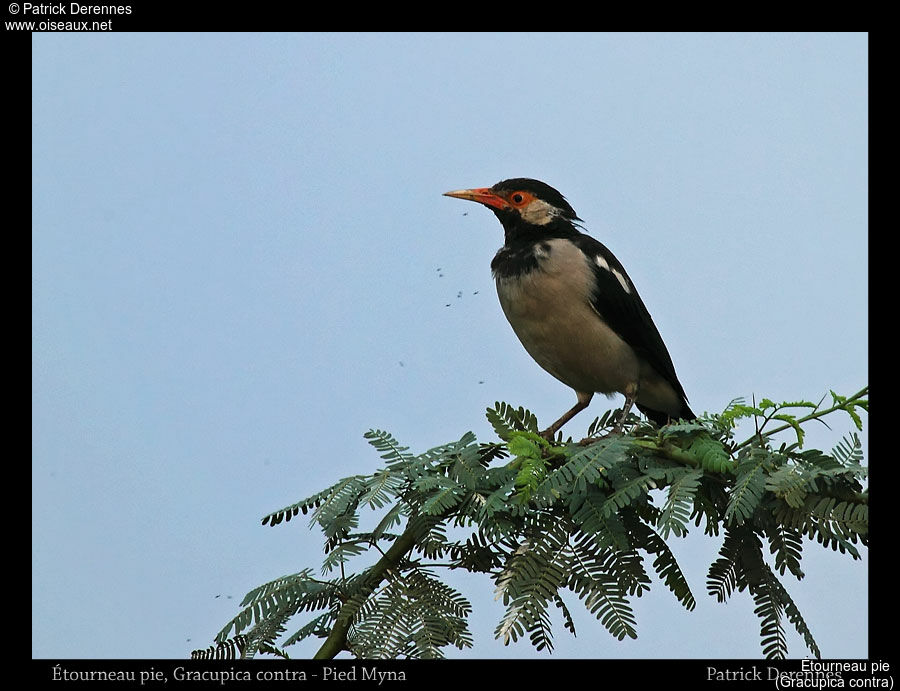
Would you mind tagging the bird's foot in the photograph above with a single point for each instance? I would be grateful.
(617, 431)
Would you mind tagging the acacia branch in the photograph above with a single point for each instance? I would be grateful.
(687, 446)
(337, 639)
(849, 403)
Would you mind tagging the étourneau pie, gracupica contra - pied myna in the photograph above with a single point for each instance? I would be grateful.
(573, 307)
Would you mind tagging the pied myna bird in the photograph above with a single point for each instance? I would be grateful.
(573, 307)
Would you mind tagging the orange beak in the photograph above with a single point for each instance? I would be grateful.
(482, 195)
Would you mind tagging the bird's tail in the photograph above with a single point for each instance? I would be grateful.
(661, 418)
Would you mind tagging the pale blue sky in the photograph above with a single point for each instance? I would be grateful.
(237, 239)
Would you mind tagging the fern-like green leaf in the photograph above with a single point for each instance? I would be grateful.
(724, 573)
(343, 552)
(794, 616)
(848, 452)
(793, 422)
(277, 600)
(312, 502)
(787, 545)
(568, 622)
(582, 469)
(665, 564)
(389, 448)
(228, 649)
(530, 581)
(850, 407)
(711, 454)
(340, 502)
(393, 517)
(749, 487)
(792, 484)
(413, 615)
(629, 485)
(605, 598)
(604, 528)
(505, 419)
(439, 494)
(676, 511)
(318, 626)
(381, 488)
(469, 467)
(767, 595)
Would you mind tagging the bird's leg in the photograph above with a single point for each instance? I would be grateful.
(630, 395)
(617, 429)
(583, 400)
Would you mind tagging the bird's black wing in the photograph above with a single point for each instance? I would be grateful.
(617, 301)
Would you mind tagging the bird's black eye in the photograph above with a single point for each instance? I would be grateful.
(518, 198)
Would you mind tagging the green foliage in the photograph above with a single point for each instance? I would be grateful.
(551, 522)
(413, 615)
(749, 484)
(505, 420)
(679, 502)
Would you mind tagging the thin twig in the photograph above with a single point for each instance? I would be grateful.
(816, 414)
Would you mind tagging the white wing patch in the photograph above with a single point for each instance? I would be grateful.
(603, 264)
(624, 281)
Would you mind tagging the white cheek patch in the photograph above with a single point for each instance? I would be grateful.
(603, 264)
(539, 212)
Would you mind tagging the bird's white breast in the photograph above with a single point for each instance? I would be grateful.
(550, 311)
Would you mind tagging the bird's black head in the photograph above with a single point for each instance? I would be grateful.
(525, 207)
(522, 193)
